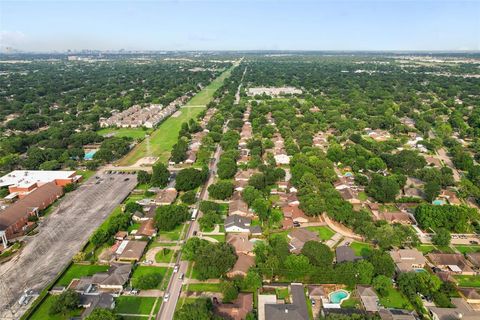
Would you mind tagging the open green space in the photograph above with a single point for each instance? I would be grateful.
(206, 95)
(173, 235)
(76, 271)
(468, 249)
(351, 302)
(42, 312)
(395, 300)
(164, 255)
(468, 281)
(134, 133)
(426, 248)
(282, 293)
(218, 237)
(362, 196)
(324, 232)
(142, 270)
(134, 304)
(86, 174)
(203, 287)
(165, 136)
(361, 248)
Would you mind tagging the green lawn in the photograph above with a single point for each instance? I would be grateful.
(162, 256)
(85, 174)
(361, 248)
(41, 312)
(203, 287)
(135, 133)
(282, 294)
(206, 95)
(76, 271)
(468, 281)
(325, 233)
(166, 135)
(395, 300)
(426, 248)
(218, 237)
(362, 196)
(468, 249)
(351, 302)
(173, 235)
(134, 304)
(141, 270)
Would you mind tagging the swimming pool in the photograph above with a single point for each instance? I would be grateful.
(438, 202)
(338, 296)
(89, 155)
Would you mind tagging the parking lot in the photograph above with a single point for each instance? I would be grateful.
(60, 235)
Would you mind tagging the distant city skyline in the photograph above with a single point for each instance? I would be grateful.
(355, 25)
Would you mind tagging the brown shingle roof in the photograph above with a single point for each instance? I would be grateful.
(166, 196)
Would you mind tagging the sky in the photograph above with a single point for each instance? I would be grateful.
(427, 25)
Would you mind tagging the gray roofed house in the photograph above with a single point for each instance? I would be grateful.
(115, 278)
(92, 302)
(396, 314)
(408, 259)
(237, 223)
(461, 308)
(368, 297)
(298, 237)
(346, 254)
(297, 310)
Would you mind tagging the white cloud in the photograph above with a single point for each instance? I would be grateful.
(12, 38)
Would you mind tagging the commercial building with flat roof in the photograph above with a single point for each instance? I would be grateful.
(25, 181)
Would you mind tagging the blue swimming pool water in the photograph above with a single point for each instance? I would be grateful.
(89, 155)
(338, 296)
(438, 202)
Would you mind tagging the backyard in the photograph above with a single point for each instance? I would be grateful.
(468, 281)
(361, 248)
(325, 233)
(42, 312)
(135, 305)
(76, 271)
(395, 299)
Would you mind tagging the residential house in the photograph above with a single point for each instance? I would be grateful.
(298, 237)
(147, 229)
(166, 196)
(345, 254)
(92, 302)
(282, 159)
(451, 197)
(462, 310)
(368, 297)
(240, 242)
(451, 262)
(434, 162)
(115, 278)
(474, 259)
(293, 215)
(470, 295)
(130, 250)
(408, 259)
(396, 314)
(238, 207)
(237, 223)
(245, 174)
(239, 185)
(296, 310)
(395, 217)
(238, 309)
(243, 263)
(348, 194)
(316, 292)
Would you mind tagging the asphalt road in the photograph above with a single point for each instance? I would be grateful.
(174, 288)
(60, 235)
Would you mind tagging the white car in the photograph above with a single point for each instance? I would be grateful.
(166, 296)
(175, 269)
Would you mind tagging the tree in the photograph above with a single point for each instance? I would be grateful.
(297, 266)
(229, 291)
(376, 164)
(201, 309)
(102, 314)
(441, 237)
(66, 301)
(226, 168)
(261, 208)
(432, 190)
(382, 263)
(147, 281)
(214, 260)
(249, 194)
(132, 207)
(382, 285)
(168, 217)
(189, 179)
(257, 181)
(221, 190)
(189, 197)
(143, 177)
(383, 189)
(192, 247)
(160, 175)
(318, 253)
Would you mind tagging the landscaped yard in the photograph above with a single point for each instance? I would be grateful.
(362, 196)
(396, 300)
(282, 294)
(141, 270)
(426, 248)
(164, 255)
(173, 235)
(76, 271)
(468, 249)
(134, 304)
(351, 302)
(468, 281)
(134, 133)
(361, 248)
(325, 233)
(203, 287)
(218, 237)
(42, 312)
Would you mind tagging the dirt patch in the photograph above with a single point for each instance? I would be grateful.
(146, 161)
(176, 114)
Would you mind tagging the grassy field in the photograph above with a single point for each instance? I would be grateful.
(163, 138)
(141, 270)
(426, 248)
(134, 304)
(134, 133)
(360, 248)
(41, 312)
(203, 287)
(325, 233)
(468, 281)
(468, 249)
(206, 95)
(79, 270)
(164, 257)
(173, 235)
(218, 237)
(282, 294)
(395, 300)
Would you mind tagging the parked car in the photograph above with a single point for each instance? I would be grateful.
(175, 269)
(166, 296)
